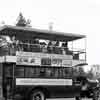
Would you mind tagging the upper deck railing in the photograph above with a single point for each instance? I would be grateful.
(27, 37)
(43, 48)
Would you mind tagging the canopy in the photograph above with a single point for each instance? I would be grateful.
(30, 33)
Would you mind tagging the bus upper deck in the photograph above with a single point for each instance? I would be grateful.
(29, 40)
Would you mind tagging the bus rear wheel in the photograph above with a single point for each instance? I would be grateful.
(37, 95)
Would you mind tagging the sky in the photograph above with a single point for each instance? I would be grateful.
(70, 16)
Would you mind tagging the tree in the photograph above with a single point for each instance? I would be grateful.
(21, 20)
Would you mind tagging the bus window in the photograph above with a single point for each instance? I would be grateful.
(48, 72)
(19, 71)
(56, 72)
(8, 71)
(29, 72)
(44, 72)
(32, 72)
(67, 72)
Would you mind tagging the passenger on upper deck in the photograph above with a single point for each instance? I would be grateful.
(65, 47)
(36, 45)
(12, 47)
(43, 46)
(57, 43)
(36, 41)
(50, 47)
(56, 48)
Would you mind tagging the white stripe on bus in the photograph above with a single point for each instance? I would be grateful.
(38, 81)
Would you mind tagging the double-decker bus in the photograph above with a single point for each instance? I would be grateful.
(38, 64)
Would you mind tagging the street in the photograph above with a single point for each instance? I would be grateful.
(69, 99)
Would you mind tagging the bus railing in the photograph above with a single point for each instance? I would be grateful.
(26, 47)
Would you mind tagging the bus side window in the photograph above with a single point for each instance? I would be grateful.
(8, 71)
(48, 72)
(67, 72)
(55, 73)
(19, 71)
(31, 72)
(42, 72)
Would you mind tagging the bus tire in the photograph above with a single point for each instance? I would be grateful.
(37, 95)
(78, 98)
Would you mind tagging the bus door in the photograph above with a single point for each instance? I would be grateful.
(8, 80)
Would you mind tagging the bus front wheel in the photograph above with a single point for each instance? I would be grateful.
(37, 95)
(78, 98)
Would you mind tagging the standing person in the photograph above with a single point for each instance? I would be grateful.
(13, 46)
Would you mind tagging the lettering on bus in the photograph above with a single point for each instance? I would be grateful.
(52, 62)
(56, 62)
(45, 61)
(28, 61)
(67, 63)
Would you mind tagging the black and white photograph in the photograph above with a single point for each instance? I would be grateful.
(49, 50)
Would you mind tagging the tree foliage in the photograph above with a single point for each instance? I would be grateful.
(22, 21)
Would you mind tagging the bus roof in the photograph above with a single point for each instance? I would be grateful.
(28, 32)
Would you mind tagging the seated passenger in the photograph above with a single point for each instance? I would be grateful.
(65, 45)
(20, 46)
(76, 56)
(56, 48)
(65, 48)
(43, 47)
(12, 50)
(50, 47)
(57, 43)
(25, 47)
(36, 41)
(36, 46)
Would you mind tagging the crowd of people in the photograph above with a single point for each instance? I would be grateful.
(35, 45)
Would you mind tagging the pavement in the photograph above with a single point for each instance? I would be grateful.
(69, 99)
